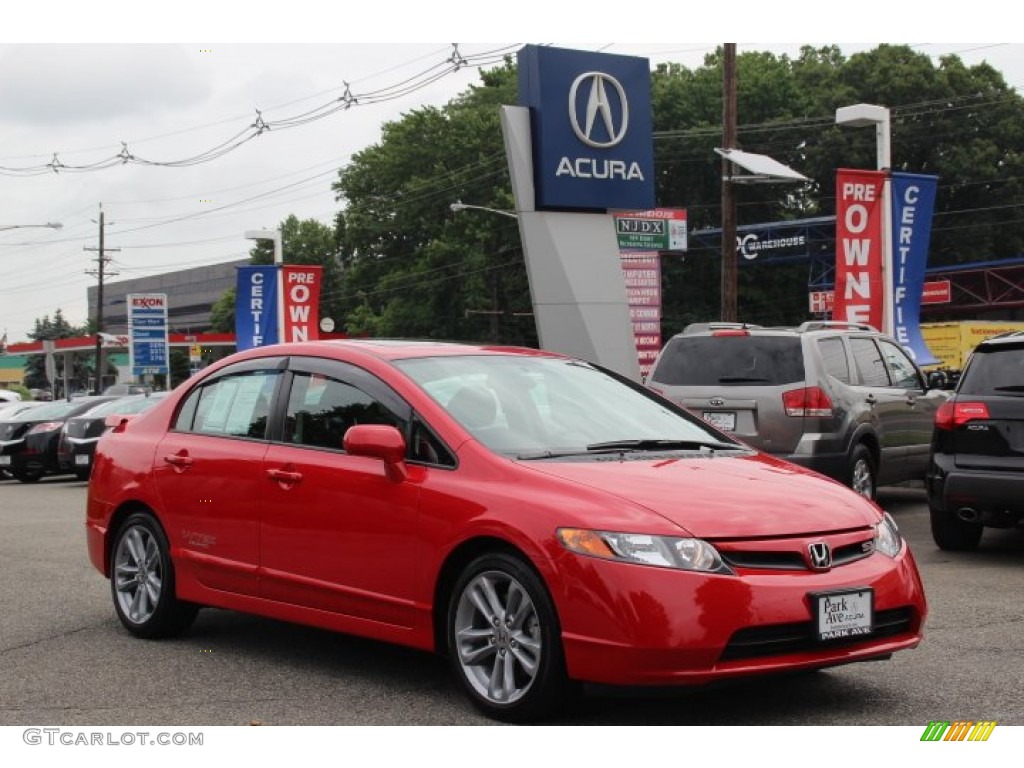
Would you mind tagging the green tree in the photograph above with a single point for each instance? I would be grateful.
(47, 329)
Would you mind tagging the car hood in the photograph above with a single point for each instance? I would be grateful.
(724, 497)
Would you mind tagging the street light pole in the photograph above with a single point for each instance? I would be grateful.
(274, 236)
(860, 116)
(458, 205)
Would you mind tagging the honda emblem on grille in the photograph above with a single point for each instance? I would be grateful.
(819, 556)
(717, 402)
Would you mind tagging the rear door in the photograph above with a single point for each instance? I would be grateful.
(208, 470)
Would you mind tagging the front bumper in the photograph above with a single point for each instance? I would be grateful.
(629, 625)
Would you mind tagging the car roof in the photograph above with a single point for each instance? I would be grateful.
(400, 349)
(1010, 339)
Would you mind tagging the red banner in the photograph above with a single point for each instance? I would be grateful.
(301, 302)
(859, 290)
(642, 272)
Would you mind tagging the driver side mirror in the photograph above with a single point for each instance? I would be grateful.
(379, 441)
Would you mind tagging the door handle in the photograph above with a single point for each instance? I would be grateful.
(870, 400)
(284, 477)
(179, 461)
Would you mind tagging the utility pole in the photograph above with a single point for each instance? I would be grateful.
(100, 273)
(728, 311)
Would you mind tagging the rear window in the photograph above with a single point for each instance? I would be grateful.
(994, 371)
(702, 361)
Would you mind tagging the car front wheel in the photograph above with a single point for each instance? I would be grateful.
(142, 581)
(504, 640)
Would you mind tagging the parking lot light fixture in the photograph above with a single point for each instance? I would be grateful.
(458, 205)
(47, 225)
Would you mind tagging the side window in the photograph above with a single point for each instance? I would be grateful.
(833, 355)
(235, 405)
(321, 409)
(901, 369)
(869, 363)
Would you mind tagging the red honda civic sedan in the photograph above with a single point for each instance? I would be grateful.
(541, 521)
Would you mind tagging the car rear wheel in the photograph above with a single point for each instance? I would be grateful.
(863, 475)
(504, 640)
(29, 475)
(953, 534)
(142, 581)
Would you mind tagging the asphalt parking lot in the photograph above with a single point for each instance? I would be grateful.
(65, 659)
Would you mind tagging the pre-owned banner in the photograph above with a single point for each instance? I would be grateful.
(301, 302)
(256, 306)
(913, 201)
(859, 210)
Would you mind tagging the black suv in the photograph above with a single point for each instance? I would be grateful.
(976, 470)
(839, 398)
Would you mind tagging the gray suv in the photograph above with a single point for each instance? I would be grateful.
(839, 398)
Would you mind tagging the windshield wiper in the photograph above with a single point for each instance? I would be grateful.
(1010, 388)
(739, 379)
(649, 444)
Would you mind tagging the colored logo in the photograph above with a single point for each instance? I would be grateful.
(958, 730)
(614, 119)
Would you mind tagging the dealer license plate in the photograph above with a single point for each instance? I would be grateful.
(844, 614)
(722, 419)
(82, 459)
(5, 461)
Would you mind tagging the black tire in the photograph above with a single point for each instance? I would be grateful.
(142, 581)
(28, 475)
(862, 475)
(953, 534)
(528, 633)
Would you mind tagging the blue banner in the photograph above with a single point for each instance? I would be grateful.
(256, 306)
(913, 202)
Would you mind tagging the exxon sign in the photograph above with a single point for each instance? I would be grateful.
(590, 115)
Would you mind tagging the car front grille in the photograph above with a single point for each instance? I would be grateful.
(800, 637)
(794, 561)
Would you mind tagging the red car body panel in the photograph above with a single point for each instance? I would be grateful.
(332, 540)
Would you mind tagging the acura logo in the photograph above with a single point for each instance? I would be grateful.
(716, 401)
(599, 112)
(820, 556)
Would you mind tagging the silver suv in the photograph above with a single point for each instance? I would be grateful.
(839, 398)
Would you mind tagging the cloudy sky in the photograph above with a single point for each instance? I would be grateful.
(75, 99)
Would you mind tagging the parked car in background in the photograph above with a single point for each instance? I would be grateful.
(128, 389)
(28, 440)
(839, 398)
(9, 395)
(80, 433)
(535, 518)
(976, 472)
(8, 410)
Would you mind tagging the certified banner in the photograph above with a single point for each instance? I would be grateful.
(913, 201)
(256, 306)
(301, 302)
(859, 289)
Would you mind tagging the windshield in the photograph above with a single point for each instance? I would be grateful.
(49, 411)
(534, 406)
(714, 361)
(123, 405)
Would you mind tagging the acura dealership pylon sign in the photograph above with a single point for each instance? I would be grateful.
(591, 121)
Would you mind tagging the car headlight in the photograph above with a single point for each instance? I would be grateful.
(644, 549)
(887, 537)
